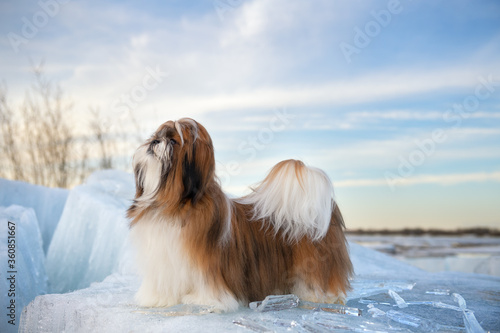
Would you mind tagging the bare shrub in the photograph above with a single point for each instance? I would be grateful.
(100, 135)
(40, 143)
(8, 148)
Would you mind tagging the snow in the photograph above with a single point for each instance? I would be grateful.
(481, 264)
(93, 280)
(23, 278)
(48, 203)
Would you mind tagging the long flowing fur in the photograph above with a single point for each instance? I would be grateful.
(197, 246)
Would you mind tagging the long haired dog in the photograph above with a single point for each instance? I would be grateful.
(197, 246)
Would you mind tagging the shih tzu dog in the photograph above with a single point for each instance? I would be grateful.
(197, 246)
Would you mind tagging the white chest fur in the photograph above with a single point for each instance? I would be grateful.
(169, 276)
(166, 270)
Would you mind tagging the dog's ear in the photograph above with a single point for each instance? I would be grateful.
(198, 168)
(139, 189)
(132, 211)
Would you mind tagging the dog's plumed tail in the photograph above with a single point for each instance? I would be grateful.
(294, 198)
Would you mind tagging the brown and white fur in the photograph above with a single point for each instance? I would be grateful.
(197, 246)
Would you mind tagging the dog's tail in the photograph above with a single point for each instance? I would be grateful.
(296, 199)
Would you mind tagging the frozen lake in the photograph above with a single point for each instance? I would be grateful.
(467, 254)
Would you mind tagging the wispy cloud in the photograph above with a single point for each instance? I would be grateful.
(446, 179)
(414, 115)
(365, 89)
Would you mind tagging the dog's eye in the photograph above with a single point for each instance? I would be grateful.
(155, 142)
(174, 142)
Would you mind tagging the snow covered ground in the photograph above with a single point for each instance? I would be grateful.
(87, 280)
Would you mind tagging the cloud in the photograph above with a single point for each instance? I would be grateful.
(369, 88)
(414, 115)
(247, 61)
(447, 179)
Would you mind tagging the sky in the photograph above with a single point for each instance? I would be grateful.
(398, 101)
